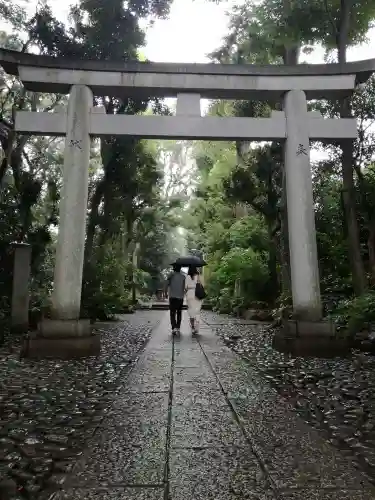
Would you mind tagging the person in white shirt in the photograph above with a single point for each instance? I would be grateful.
(193, 303)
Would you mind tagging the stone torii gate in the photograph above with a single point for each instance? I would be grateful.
(66, 334)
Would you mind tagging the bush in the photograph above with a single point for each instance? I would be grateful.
(247, 268)
(141, 281)
(224, 301)
(249, 232)
(106, 290)
(237, 280)
(284, 307)
(41, 284)
(104, 304)
(356, 314)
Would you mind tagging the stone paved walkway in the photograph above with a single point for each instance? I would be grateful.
(193, 421)
(50, 408)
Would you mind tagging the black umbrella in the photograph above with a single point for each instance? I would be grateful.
(191, 260)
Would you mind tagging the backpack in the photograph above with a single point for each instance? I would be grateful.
(200, 292)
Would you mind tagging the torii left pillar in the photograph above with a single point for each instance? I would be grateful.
(65, 334)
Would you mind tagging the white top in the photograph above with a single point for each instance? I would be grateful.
(191, 283)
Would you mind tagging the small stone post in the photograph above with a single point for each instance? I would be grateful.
(20, 287)
(301, 219)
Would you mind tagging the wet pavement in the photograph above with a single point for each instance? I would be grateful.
(49, 409)
(335, 395)
(191, 421)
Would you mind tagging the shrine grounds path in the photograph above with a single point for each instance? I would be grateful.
(189, 420)
(193, 421)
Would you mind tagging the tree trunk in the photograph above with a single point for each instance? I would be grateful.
(272, 263)
(355, 257)
(367, 207)
(291, 55)
(284, 240)
(128, 247)
(371, 250)
(93, 221)
(134, 267)
(130, 227)
(348, 197)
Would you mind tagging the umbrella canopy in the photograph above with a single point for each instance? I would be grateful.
(190, 260)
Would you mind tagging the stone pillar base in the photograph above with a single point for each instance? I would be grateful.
(60, 348)
(311, 338)
(62, 339)
(300, 328)
(56, 328)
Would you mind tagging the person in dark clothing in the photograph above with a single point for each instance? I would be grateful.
(176, 291)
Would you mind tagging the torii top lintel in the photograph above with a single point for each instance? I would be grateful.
(222, 81)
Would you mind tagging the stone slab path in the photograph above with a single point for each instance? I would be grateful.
(193, 421)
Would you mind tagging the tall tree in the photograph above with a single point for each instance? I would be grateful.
(348, 23)
(258, 183)
(262, 34)
(277, 29)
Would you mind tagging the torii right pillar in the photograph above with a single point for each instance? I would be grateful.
(304, 267)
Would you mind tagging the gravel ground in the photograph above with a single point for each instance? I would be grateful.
(48, 409)
(337, 396)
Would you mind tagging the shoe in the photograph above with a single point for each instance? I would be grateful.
(178, 331)
(174, 331)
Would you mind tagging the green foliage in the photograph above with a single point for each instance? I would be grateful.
(122, 196)
(245, 266)
(248, 232)
(257, 180)
(283, 307)
(233, 216)
(238, 279)
(275, 31)
(141, 279)
(332, 246)
(42, 264)
(137, 188)
(356, 314)
(31, 174)
(105, 291)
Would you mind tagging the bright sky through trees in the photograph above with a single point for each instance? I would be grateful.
(195, 28)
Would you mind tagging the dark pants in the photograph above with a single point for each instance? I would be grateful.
(175, 310)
